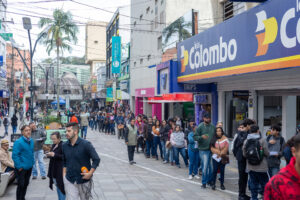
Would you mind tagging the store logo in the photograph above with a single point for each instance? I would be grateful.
(269, 35)
(184, 59)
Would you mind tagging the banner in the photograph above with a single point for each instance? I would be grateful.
(109, 94)
(116, 54)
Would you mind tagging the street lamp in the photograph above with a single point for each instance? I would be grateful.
(27, 26)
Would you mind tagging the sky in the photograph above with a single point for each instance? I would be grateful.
(16, 9)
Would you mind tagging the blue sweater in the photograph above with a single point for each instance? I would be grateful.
(191, 140)
(22, 155)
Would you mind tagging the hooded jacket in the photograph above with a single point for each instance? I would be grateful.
(285, 185)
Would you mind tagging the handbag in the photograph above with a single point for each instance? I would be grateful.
(224, 158)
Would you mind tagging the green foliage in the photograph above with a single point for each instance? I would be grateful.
(50, 119)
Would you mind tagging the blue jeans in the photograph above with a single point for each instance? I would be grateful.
(169, 155)
(14, 129)
(176, 155)
(258, 181)
(273, 171)
(205, 157)
(163, 147)
(156, 141)
(83, 131)
(60, 195)
(149, 147)
(38, 156)
(6, 129)
(216, 166)
(194, 161)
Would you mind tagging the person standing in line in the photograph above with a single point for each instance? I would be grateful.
(276, 145)
(149, 139)
(219, 148)
(193, 154)
(23, 157)
(84, 124)
(6, 124)
(131, 140)
(164, 131)
(255, 150)
(77, 167)
(14, 123)
(55, 170)
(203, 136)
(156, 137)
(178, 143)
(120, 125)
(39, 138)
(242, 134)
(140, 135)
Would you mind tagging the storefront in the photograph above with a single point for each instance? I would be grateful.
(141, 97)
(255, 66)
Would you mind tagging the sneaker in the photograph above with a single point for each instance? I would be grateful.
(190, 177)
(34, 177)
(197, 177)
(165, 162)
(213, 187)
(203, 186)
(130, 162)
(133, 162)
(172, 163)
(178, 166)
(43, 177)
(223, 187)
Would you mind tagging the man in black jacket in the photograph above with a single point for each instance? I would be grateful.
(149, 138)
(241, 160)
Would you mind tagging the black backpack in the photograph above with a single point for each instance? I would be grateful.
(5, 122)
(252, 148)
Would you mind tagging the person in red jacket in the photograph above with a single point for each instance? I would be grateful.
(286, 184)
(74, 119)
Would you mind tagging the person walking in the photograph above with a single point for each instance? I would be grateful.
(39, 138)
(276, 145)
(203, 136)
(255, 150)
(178, 143)
(14, 123)
(78, 169)
(23, 157)
(219, 148)
(131, 140)
(193, 154)
(156, 138)
(164, 131)
(55, 170)
(73, 118)
(84, 122)
(6, 124)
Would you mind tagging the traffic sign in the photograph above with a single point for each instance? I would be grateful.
(6, 36)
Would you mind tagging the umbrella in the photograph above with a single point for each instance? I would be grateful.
(61, 101)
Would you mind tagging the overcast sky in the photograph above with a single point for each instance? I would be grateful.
(16, 9)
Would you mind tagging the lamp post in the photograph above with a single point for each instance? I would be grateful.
(27, 26)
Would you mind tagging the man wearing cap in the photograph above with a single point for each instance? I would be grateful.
(7, 164)
(203, 135)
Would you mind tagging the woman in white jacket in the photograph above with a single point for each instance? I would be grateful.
(178, 143)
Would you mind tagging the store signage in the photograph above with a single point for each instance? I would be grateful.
(248, 0)
(116, 54)
(109, 94)
(201, 98)
(264, 38)
(6, 36)
(1, 61)
(240, 93)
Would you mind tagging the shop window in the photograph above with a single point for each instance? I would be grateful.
(272, 112)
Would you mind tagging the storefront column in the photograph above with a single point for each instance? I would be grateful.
(260, 114)
(252, 105)
(214, 97)
(289, 116)
(163, 111)
(221, 107)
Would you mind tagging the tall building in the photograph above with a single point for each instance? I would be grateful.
(82, 72)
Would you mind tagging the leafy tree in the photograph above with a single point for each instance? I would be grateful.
(61, 32)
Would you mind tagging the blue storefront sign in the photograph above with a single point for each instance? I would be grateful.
(109, 94)
(116, 54)
(264, 38)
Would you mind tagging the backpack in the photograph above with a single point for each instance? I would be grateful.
(5, 121)
(252, 148)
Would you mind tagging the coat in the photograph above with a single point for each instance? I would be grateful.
(56, 168)
(5, 160)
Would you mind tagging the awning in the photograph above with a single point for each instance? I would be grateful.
(172, 98)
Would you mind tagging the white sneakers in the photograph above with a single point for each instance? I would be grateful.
(190, 177)
(197, 177)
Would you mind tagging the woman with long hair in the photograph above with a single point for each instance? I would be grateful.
(178, 143)
(219, 147)
(156, 138)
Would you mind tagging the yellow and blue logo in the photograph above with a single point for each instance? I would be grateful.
(270, 28)
(184, 59)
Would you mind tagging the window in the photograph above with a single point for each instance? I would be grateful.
(156, 22)
(156, 2)
(141, 61)
(228, 10)
(152, 27)
(148, 10)
(134, 24)
(149, 56)
(141, 17)
(159, 43)
(156, 10)
(162, 17)
(134, 64)
(96, 42)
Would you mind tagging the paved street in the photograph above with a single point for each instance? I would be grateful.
(149, 179)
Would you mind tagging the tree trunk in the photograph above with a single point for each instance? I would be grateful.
(57, 78)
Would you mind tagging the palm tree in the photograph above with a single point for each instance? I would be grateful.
(61, 30)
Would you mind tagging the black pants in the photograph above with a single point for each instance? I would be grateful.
(140, 143)
(23, 181)
(243, 178)
(130, 152)
(121, 133)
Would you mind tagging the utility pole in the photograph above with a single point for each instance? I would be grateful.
(12, 75)
(24, 87)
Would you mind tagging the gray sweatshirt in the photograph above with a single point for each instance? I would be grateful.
(263, 166)
(39, 138)
(274, 161)
(177, 139)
